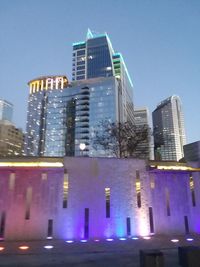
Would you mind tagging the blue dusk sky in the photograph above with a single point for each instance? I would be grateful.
(159, 40)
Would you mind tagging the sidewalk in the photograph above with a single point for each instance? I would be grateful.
(116, 253)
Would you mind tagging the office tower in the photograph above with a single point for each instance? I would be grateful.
(169, 130)
(145, 149)
(11, 140)
(192, 152)
(63, 115)
(95, 58)
(6, 110)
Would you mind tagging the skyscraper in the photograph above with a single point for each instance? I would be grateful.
(142, 120)
(6, 110)
(95, 58)
(169, 130)
(62, 115)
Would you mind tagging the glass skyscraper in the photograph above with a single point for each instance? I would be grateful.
(6, 110)
(169, 130)
(62, 115)
(95, 58)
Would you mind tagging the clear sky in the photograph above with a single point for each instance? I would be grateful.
(159, 40)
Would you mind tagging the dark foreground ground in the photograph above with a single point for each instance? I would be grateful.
(116, 253)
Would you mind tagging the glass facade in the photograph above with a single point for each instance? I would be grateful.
(95, 58)
(6, 110)
(169, 130)
(60, 119)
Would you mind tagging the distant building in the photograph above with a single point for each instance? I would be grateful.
(11, 140)
(192, 151)
(6, 110)
(169, 129)
(145, 149)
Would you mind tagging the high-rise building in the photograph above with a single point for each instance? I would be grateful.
(62, 115)
(142, 120)
(192, 152)
(6, 110)
(11, 140)
(169, 130)
(95, 58)
(60, 118)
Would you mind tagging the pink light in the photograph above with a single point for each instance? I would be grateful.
(146, 237)
(96, 240)
(24, 247)
(2, 248)
(109, 239)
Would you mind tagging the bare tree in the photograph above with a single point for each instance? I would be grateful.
(122, 139)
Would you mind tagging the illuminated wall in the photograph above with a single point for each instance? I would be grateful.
(96, 198)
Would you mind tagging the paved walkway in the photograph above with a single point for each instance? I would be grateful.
(116, 253)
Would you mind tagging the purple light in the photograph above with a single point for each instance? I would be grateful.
(83, 240)
(190, 239)
(96, 240)
(109, 239)
(69, 241)
(49, 237)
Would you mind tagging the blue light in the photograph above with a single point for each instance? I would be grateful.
(83, 240)
(135, 238)
(122, 238)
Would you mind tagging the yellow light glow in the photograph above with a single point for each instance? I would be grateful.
(31, 164)
(176, 168)
(24, 247)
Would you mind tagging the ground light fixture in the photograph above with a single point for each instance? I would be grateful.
(122, 238)
(48, 247)
(174, 240)
(2, 248)
(69, 241)
(83, 240)
(109, 239)
(189, 239)
(23, 247)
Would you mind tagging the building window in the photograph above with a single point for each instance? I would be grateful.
(2, 224)
(107, 195)
(28, 202)
(151, 223)
(138, 189)
(50, 228)
(12, 181)
(128, 226)
(65, 189)
(187, 231)
(44, 176)
(167, 201)
(192, 190)
(86, 224)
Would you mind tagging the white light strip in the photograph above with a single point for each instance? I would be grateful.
(31, 164)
